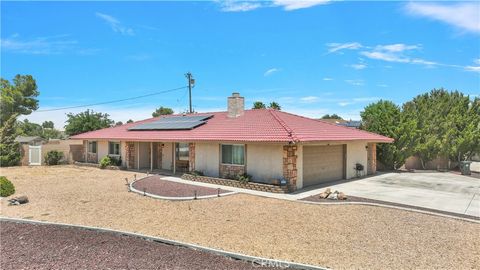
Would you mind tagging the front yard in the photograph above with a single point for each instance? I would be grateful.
(337, 236)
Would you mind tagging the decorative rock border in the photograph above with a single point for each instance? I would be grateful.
(235, 183)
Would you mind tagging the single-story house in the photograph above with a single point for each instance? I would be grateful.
(267, 144)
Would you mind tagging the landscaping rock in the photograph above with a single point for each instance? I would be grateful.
(18, 200)
(333, 196)
(342, 196)
(325, 194)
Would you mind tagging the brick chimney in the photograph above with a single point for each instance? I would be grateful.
(236, 105)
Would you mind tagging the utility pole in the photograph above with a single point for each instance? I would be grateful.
(191, 83)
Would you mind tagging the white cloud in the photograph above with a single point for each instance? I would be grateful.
(473, 68)
(239, 6)
(465, 16)
(39, 45)
(328, 79)
(477, 61)
(335, 47)
(355, 82)
(298, 4)
(396, 53)
(399, 47)
(358, 100)
(382, 85)
(115, 24)
(309, 99)
(271, 71)
(358, 66)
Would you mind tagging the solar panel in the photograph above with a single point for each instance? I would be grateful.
(174, 123)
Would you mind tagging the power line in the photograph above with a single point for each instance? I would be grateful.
(113, 101)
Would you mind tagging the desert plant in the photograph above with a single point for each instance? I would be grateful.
(244, 178)
(116, 160)
(105, 161)
(197, 173)
(6, 187)
(53, 157)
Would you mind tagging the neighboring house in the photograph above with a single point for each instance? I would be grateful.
(345, 123)
(29, 140)
(267, 144)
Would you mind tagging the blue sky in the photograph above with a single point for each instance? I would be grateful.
(313, 57)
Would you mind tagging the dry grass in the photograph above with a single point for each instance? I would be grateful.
(337, 236)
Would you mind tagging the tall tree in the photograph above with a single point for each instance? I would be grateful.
(27, 128)
(274, 105)
(86, 121)
(384, 117)
(19, 98)
(9, 149)
(259, 105)
(333, 116)
(129, 121)
(162, 111)
(48, 124)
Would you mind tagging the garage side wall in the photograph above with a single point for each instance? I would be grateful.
(356, 153)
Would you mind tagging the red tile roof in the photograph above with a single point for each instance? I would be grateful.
(264, 125)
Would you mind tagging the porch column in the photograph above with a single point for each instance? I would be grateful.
(174, 157)
(86, 151)
(151, 157)
(138, 155)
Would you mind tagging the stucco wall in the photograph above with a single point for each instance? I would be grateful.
(356, 153)
(299, 166)
(265, 162)
(207, 158)
(123, 153)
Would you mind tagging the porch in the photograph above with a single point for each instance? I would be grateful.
(160, 157)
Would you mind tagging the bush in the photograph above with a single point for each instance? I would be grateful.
(244, 178)
(116, 161)
(6, 187)
(197, 173)
(53, 157)
(105, 161)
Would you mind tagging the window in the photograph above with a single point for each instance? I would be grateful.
(114, 148)
(182, 151)
(233, 154)
(92, 147)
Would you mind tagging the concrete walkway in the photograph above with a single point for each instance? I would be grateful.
(440, 191)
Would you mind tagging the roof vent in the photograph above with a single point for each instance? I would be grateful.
(236, 105)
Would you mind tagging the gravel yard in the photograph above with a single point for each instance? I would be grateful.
(23, 247)
(154, 185)
(337, 236)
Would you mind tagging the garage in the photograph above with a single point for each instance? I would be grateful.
(323, 164)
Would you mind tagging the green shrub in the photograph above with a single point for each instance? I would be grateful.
(105, 161)
(244, 178)
(53, 157)
(114, 160)
(197, 173)
(6, 187)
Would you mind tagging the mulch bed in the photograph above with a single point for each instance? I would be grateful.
(38, 246)
(316, 198)
(155, 185)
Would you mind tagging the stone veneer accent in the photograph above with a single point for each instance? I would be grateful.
(372, 158)
(235, 183)
(290, 165)
(230, 170)
(130, 155)
(191, 157)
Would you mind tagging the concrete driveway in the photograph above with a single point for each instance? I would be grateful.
(442, 191)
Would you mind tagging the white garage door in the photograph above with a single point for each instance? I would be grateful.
(322, 164)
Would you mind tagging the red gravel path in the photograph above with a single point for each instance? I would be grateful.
(38, 246)
(155, 185)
